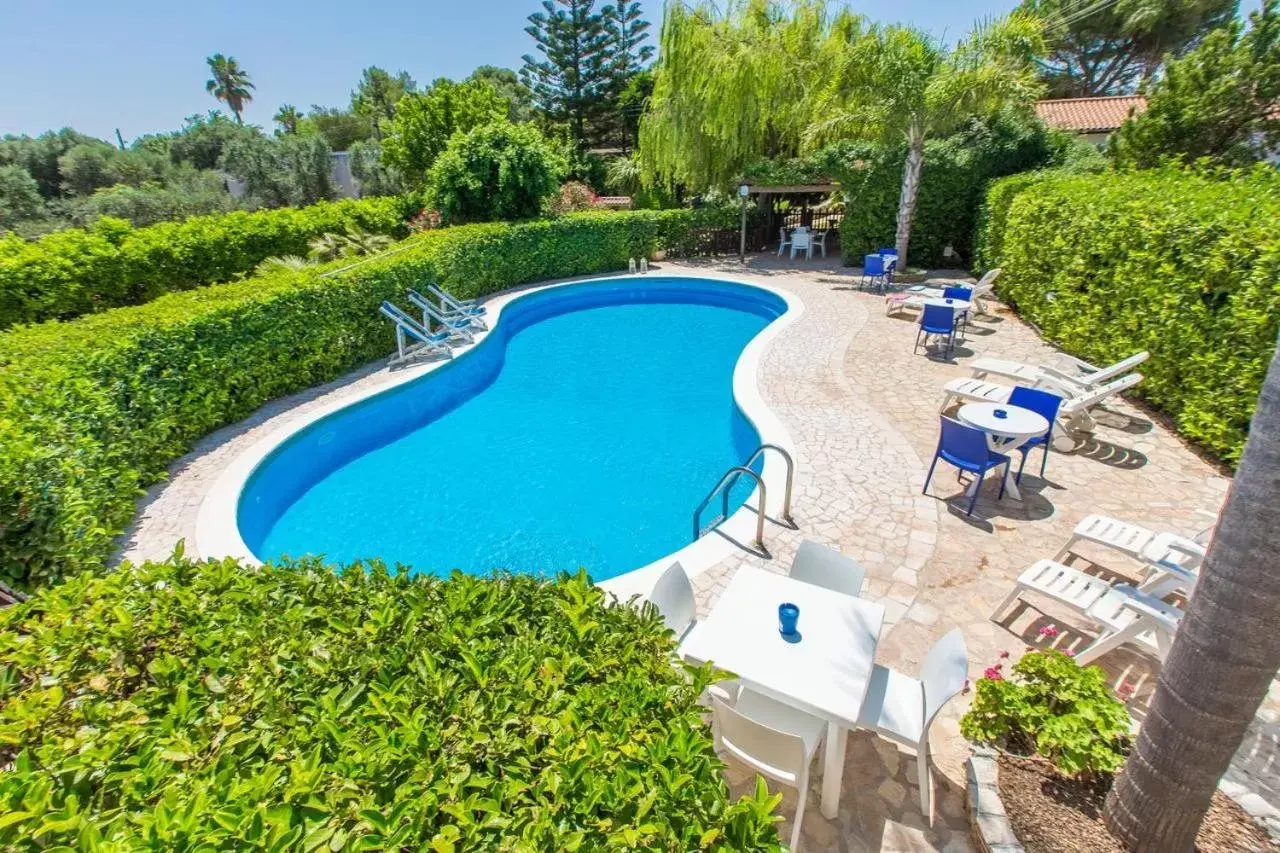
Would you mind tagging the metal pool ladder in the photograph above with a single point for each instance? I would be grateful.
(730, 479)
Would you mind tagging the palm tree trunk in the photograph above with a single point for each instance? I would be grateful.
(910, 187)
(1224, 657)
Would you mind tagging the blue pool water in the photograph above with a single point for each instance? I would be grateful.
(582, 432)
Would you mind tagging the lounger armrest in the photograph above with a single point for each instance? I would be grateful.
(1187, 576)
(1061, 376)
(1078, 363)
(1150, 606)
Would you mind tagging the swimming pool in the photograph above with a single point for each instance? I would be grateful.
(581, 431)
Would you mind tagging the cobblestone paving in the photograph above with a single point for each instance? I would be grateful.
(862, 410)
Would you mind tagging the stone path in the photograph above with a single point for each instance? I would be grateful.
(862, 410)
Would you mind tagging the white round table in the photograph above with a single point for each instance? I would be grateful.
(1004, 434)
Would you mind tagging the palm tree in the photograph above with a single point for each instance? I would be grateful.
(898, 84)
(1224, 657)
(229, 84)
(287, 117)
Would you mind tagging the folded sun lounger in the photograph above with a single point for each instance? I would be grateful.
(426, 342)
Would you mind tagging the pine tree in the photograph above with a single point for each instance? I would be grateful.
(571, 81)
(628, 30)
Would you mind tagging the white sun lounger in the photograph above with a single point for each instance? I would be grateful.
(896, 302)
(1137, 542)
(1074, 413)
(1125, 613)
(427, 343)
(1029, 374)
(458, 326)
(449, 302)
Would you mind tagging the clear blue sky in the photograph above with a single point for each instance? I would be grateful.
(139, 64)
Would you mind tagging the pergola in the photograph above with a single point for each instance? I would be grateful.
(764, 191)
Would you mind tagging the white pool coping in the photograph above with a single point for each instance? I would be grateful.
(218, 534)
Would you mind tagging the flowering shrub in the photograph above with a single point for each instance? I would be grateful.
(1050, 706)
(183, 705)
(572, 196)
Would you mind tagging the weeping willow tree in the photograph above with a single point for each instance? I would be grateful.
(898, 85)
(733, 87)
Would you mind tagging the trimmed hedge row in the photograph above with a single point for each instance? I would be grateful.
(78, 271)
(208, 706)
(94, 409)
(1183, 264)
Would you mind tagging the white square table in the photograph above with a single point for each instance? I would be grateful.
(825, 673)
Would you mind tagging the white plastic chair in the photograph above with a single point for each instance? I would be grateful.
(673, 596)
(828, 568)
(819, 240)
(802, 240)
(775, 740)
(902, 708)
(783, 242)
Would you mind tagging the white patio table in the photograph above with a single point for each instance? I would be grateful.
(825, 672)
(1004, 434)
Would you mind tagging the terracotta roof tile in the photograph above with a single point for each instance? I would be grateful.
(1090, 115)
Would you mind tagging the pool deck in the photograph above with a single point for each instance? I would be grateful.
(862, 413)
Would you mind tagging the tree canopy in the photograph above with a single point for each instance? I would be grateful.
(1111, 48)
(425, 122)
(229, 83)
(1220, 101)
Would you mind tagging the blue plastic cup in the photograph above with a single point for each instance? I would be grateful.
(1001, 414)
(788, 616)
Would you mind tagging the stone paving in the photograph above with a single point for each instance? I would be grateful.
(862, 411)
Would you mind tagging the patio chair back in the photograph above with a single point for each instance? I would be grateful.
(828, 568)
(800, 239)
(887, 250)
(779, 755)
(673, 596)
(963, 443)
(938, 319)
(988, 279)
(962, 293)
(873, 265)
(1044, 403)
(782, 236)
(943, 675)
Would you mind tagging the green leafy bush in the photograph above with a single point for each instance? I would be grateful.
(494, 172)
(1053, 707)
(1183, 264)
(956, 172)
(77, 271)
(94, 409)
(185, 705)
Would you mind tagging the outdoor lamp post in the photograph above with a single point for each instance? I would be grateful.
(743, 192)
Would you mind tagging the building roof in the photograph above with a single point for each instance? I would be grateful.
(1090, 115)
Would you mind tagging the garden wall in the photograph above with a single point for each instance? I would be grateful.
(78, 271)
(95, 409)
(1185, 265)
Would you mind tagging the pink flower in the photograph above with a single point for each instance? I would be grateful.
(1124, 691)
(1049, 632)
(993, 673)
(1070, 653)
(1003, 655)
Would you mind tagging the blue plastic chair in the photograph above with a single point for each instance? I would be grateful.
(966, 448)
(937, 320)
(1044, 403)
(964, 294)
(874, 271)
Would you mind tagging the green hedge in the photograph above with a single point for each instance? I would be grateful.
(955, 175)
(94, 409)
(1183, 264)
(77, 271)
(182, 706)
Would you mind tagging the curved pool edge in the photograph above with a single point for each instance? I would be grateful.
(217, 533)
